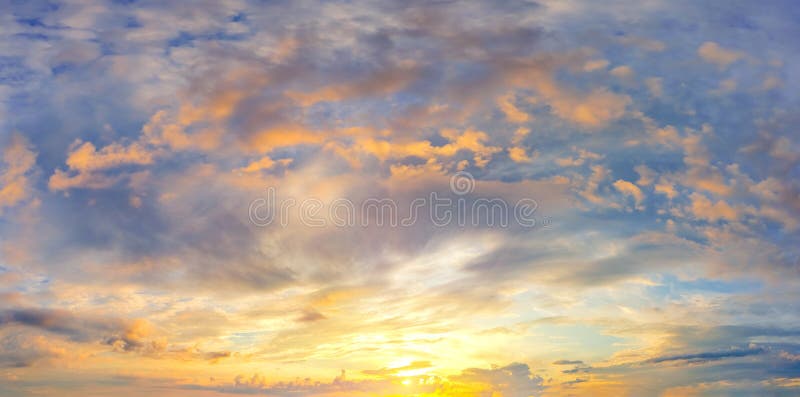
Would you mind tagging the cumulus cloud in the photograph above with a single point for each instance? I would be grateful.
(514, 380)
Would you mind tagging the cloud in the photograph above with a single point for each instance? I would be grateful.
(164, 130)
(725, 86)
(707, 356)
(623, 72)
(26, 349)
(264, 163)
(771, 83)
(582, 157)
(61, 180)
(595, 64)
(416, 365)
(85, 162)
(591, 187)
(630, 189)
(594, 109)
(83, 156)
(666, 188)
(16, 173)
(310, 316)
(568, 362)
(696, 356)
(703, 208)
(510, 110)
(713, 53)
(77, 328)
(172, 129)
(384, 81)
(469, 140)
(655, 85)
(513, 380)
(645, 43)
(646, 175)
(519, 155)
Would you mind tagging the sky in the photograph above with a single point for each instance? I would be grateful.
(379, 198)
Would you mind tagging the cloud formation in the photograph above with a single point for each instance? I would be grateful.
(653, 143)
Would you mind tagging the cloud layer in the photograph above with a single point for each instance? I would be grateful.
(654, 145)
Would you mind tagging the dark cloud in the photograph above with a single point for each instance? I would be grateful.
(568, 362)
(707, 356)
(63, 322)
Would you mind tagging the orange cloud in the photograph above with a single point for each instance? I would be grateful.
(385, 81)
(284, 136)
(593, 110)
(519, 155)
(18, 159)
(86, 164)
(386, 149)
(595, 64)
(510, 110)
(665, 188)
(630, 189)
(85, 157)
(703, 208)
(622, 72)
(160, 130)
(713, 53)
(264, 163)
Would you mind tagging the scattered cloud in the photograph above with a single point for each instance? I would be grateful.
(661, 173)
(722, 57)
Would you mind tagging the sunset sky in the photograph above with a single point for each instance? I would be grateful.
(148, 150)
